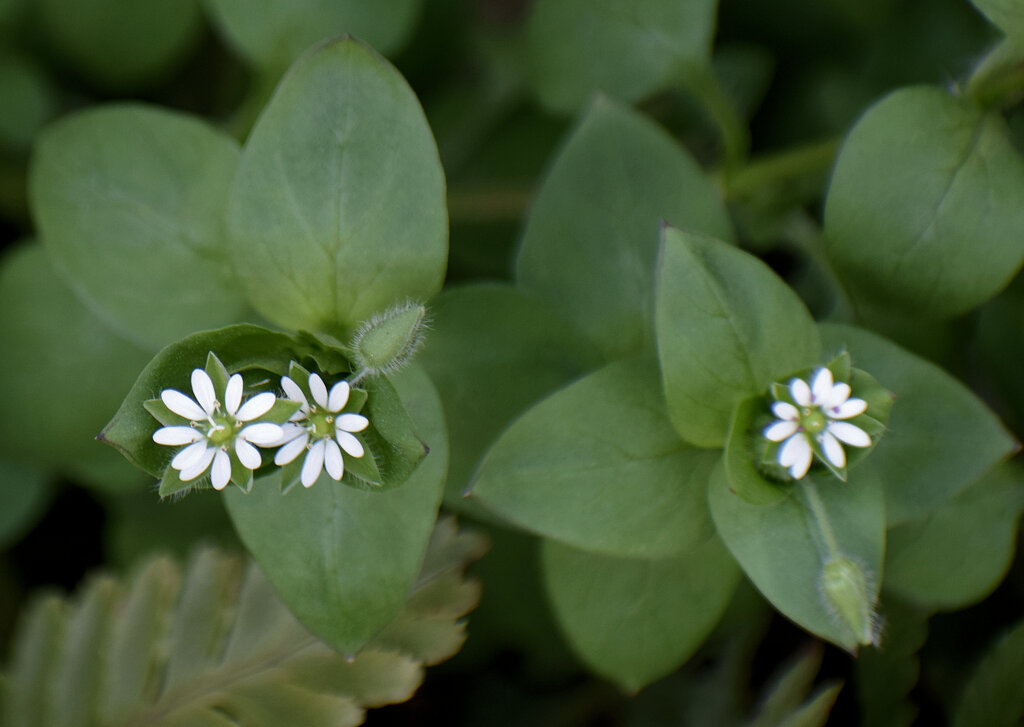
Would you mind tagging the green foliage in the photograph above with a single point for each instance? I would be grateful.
(24, 495)
(590, 242)
(923, 208)
(886, 673)
(783, 703)
(213, 645)
(1006, 14)
(129, 202)
(338, 210)
(994, 694)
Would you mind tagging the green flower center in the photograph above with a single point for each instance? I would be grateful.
(222, 432)
(321, 423)
(812, 421)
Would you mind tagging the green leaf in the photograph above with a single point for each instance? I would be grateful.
(597, 465)
(887, 673)
(1008, 15)
(815, 712)
(24, 495)
(727, 327)
(61, 368)
(351, 555)
(591, 239)
(634, 621)
(745, 478)
(338, 208)
(272, 34)
(783, 547)
(628, 50)
(122, 44)
(940, 437)
(29, 100)
(788, 689)
(958, 553)
(257, 352)
(492, 352)
(923, 211)
(191, 649)
(994, 694)
(129, 201)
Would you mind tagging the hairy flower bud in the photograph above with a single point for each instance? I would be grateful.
(388, 341)
(847, 592)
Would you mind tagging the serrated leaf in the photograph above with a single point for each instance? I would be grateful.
(994, 693)
(492, 352)
(727, 327)
(940, 438)
(129, 202)
(194, 648)
(958, 553)
(783, 548)
(597, 465)
(338, 208)
(351, 555)
(633, 620)
(272, 34)
(923, 210)
(591, 239)
(628, 50)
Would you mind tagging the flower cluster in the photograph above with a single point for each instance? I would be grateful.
(220, 433)
(813, 422)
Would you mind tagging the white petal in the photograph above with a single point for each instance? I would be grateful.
(313, 465)
(248, 455)
(220, 475)
(821, 386)
(318, 389)
(289, 432)
(338, 397)
(349, 443)
(262, 434)
(291, 450)
(187, 457)
(795, 450)
(199, 466)
(777, 431)
(256, 407)
(351, 422)
(798, 470)
(785, 410)
(839, 394)
(233, 394)
(332, 460)
(832, 448)
(850, 434)
(849, 408)
(202, 387)
(293, 392)
(800, 392)
(182, 405)
(174, 436)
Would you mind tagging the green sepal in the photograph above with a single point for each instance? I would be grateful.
(744, 449)
(391, 436)
(330, 355)
(163, 414)
(241, 476)
(218, 375)
(171, 484)
(364, 468)
(281, 411)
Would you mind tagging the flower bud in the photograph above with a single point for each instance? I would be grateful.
(847, 592)
(388, 341)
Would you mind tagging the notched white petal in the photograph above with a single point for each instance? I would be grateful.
(785, 410)
(202, 387)
(849, 408)
(800, 392)
(182, 405)
(313, 465)
(833, 449)
(794, 450)
(777, 431)
(293, 392)
(799, 469)
(199, 466)
(233, 394)
(821, 385)
(220, 474)
(350, 444)
(174, 436)
(291, 450)
(187, 457)
(849, 434)
(839, 394)
(332, 460)
(248, 455)
(352, 422)
(262, 434)
(318, 389)
(256, 407)
(338, 397)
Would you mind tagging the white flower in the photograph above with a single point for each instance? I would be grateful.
(814, 424)
(323, 424)
(213, 429)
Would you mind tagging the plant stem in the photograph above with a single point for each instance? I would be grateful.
(817, 508)
(777, 168)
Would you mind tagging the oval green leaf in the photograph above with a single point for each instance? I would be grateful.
(343, 559)
(24, 495)
(338, 209)
(727, 327)
(591, 240)
(923, 213)
(597, 465)
(940, 438)
(129, 201)
(634, 621)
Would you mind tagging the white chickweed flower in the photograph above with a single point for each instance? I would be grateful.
(814, 425)
(214, 430)
(321, 428)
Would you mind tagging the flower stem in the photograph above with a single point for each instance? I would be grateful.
(817, 508)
